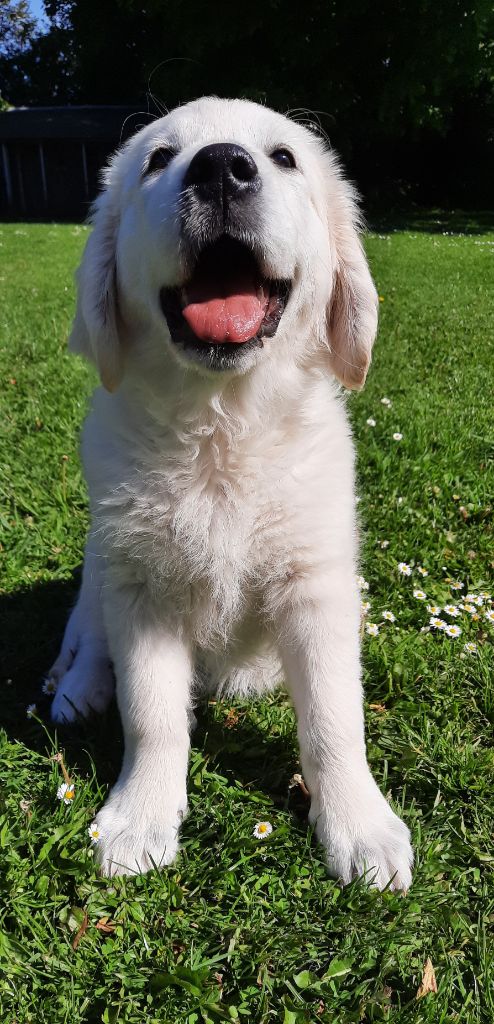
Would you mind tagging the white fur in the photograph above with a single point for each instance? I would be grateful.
(223, 541)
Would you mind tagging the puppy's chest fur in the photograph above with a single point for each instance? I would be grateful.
(191, 521)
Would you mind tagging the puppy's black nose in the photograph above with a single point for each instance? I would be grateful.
(223, 172)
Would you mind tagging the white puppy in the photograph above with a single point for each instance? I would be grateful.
(221, 292)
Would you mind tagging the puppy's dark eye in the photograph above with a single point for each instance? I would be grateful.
(283, 158)
(159, 160)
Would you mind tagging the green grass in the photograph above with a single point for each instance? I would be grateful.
(241, 930)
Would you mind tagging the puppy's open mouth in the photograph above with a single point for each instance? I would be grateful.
(226, 305)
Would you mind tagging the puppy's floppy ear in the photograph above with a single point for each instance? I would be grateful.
(351, 314)
(95, 331)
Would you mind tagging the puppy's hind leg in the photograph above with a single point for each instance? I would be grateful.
(83, 669)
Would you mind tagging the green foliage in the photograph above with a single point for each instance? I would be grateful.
(405, 91)
(239, 929)
(17, 25)
(408, 60)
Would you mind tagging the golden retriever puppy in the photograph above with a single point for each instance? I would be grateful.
(223, 293)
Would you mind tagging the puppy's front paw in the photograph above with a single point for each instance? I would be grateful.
(131, 845)
(367, 840)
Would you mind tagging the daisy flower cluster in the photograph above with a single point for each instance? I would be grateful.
(472, 608)
(372, 628)
(66, 794)
(372, 422)
(451, 618)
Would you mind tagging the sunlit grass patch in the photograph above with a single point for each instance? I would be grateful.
(248, 926)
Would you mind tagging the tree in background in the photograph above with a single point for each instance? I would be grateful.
(36, 68)
(406, 87)
(17, 25)
(17, 29)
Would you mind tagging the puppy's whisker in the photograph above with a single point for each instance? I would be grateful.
(140, 113)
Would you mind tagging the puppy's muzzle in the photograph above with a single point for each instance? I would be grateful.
(227, 302)
(222, 173)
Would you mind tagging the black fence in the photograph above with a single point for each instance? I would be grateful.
(51, 157)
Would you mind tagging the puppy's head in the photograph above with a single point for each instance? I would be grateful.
(225, 235)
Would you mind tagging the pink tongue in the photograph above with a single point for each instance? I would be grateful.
(236, 317)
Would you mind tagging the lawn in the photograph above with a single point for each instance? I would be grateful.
(241, 929)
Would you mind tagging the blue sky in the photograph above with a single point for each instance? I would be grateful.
(36, 6)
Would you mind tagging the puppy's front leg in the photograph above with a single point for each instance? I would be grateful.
(319, 646)
(140, 821)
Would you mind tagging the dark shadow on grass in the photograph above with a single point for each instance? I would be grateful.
(248, 754)
(32, 622)
(430, 220)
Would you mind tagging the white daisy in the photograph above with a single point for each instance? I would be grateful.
(470, 608)
(386, 402)
(262, 829)
(453, 631)
(451, 609)
(456, 585)
(475, 599)
(470, 647)
(94, 833)
(436, 623)
(66, 792)
(370, 422)
(365, 605)
(484, 595)
(489, 615)
(372, 629)
(384, 544)
(389, 616)
(422, 571)
(419, 594)
(31, 710)
(49, 686)
(433, 609)
(361, 583)
(404, 569)
(397, 436)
